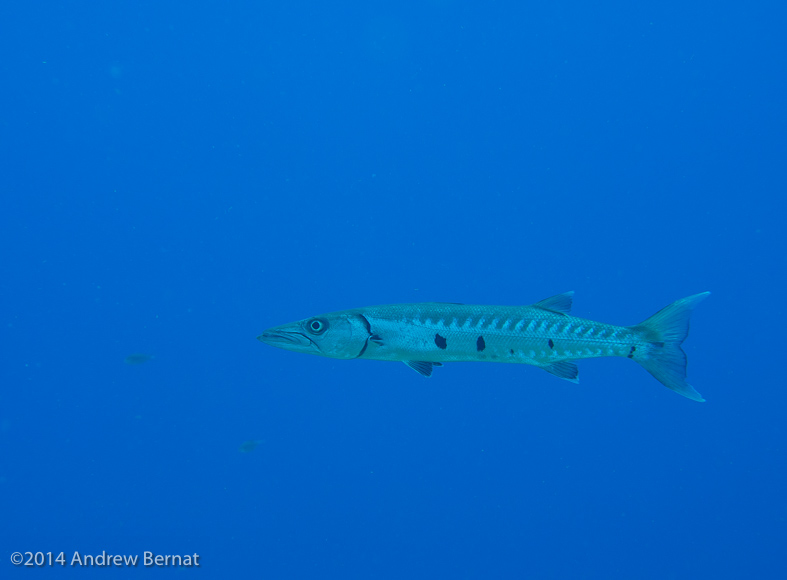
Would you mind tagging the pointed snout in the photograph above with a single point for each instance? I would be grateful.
(285, 339)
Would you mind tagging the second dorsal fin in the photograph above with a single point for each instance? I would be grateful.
(560, 303)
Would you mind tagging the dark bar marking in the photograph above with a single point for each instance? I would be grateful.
(440, 341)
(551, 344)
(480, 344)
(631, 352)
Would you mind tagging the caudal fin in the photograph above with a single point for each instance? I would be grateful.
(666, 330)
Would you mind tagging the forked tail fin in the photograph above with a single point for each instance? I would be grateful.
(666, 330)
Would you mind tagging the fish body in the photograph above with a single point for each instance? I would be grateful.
(544, 334)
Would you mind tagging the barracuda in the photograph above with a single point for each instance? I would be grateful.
(544, 334)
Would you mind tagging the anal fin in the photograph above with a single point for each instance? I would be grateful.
(564, 369)
(423, 368)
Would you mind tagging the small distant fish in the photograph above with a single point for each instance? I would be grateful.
(544, 334)
(138, 358)
(250, 445)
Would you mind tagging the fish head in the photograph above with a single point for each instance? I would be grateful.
(336, 335)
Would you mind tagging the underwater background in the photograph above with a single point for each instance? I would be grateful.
(177, 177)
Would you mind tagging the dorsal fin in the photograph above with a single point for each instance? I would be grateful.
(560, 303)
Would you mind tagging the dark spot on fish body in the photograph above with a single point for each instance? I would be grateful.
(440, 341)
(631, 352)
(551, 344)
(480, 344)
(511, 351)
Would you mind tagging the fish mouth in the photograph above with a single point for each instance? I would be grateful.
(285, 339)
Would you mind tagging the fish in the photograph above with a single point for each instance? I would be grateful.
(138, 358)
(544, 334)
(250, 445)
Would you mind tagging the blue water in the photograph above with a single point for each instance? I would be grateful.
(177, 177)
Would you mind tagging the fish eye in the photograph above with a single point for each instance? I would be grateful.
(317, 326)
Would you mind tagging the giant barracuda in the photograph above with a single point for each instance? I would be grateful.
(544, 334)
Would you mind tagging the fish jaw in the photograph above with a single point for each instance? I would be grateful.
(288, 339)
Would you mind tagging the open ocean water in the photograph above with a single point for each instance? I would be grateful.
(179, 176)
